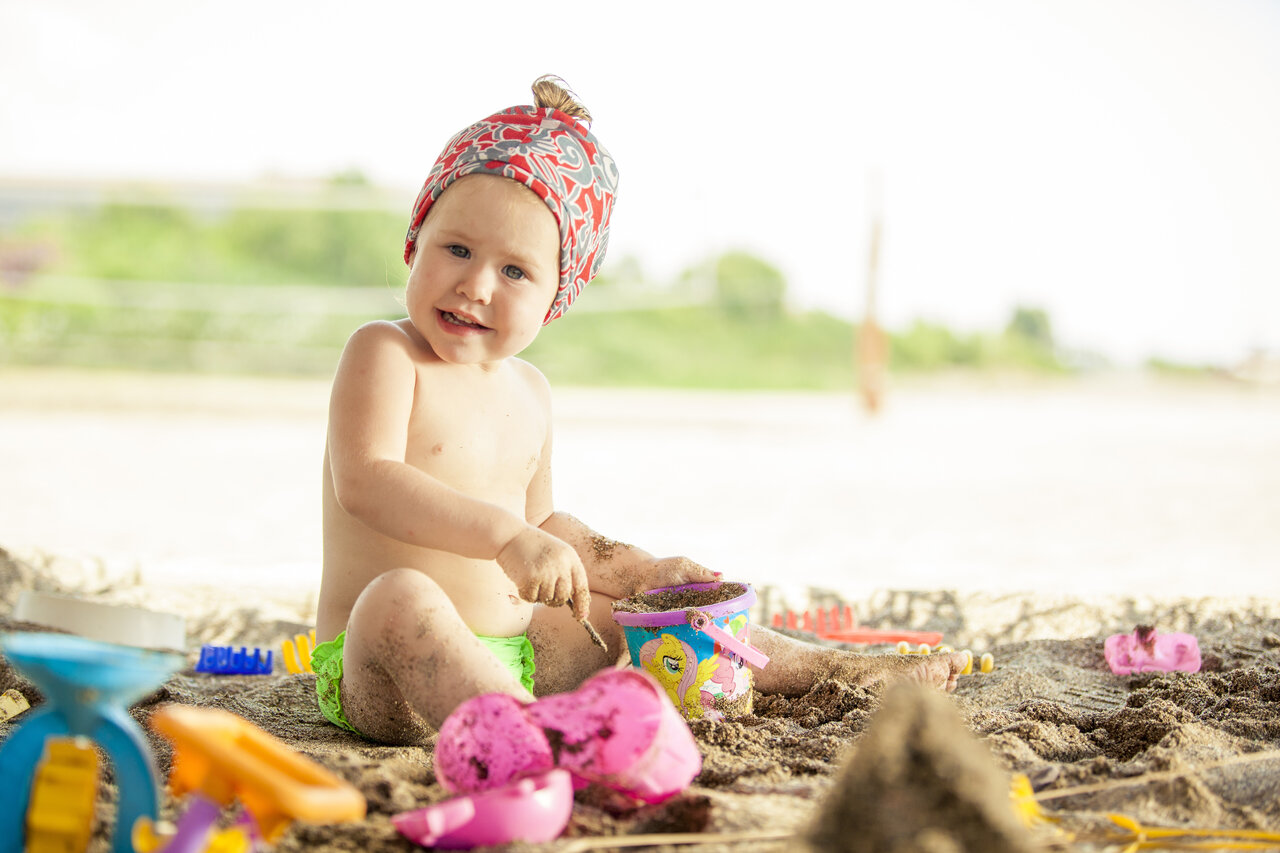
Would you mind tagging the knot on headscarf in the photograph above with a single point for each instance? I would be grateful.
(556, 157)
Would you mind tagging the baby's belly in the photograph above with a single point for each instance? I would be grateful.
(355, 554)
(483, 595)
(479, 590)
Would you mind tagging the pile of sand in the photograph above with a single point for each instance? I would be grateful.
(1051, 709)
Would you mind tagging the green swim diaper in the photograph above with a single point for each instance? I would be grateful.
(515, 653)
(326, 661)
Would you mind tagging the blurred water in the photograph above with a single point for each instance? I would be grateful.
(1113, 487)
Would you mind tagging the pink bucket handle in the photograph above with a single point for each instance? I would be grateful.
(428, 825)
(755, 657)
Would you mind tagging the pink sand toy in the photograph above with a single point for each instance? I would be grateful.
(535, 809)
(1146, 651)
(617, 729)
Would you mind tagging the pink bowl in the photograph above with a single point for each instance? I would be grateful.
(534, 809)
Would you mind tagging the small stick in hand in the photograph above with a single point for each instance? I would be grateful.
(595, 636)
(592, 632)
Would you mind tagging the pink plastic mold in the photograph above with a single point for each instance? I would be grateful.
(487, 742)
(1146, 651)
(618, 729)
(535, 809)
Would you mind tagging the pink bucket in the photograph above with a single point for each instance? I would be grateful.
(700, 656)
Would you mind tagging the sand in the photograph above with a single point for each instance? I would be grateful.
(679, 599)
(1050, 709)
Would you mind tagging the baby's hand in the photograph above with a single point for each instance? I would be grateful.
(675, 571)
(546, 570)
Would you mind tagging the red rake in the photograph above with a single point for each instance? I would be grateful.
(839, 625)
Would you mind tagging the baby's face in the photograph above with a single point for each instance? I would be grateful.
(485, 270)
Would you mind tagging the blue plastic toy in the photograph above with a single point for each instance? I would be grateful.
(228, 660)
(88, 687)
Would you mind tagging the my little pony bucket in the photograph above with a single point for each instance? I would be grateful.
(698, 651)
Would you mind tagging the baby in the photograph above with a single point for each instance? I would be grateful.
(448, 573)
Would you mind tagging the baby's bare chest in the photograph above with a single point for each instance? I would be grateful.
(483, 446)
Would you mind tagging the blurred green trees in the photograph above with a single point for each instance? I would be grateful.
(157, 285)
(1026, 343)
(1032, 326)
(748, 286)
(166, 242)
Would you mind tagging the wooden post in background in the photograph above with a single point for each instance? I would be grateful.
(871, 359)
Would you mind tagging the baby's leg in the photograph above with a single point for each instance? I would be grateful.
(409, 660)
(795, 666)
(563, 654)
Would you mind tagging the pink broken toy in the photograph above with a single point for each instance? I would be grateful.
(1146, 651)
(534, 809)
(618, 729)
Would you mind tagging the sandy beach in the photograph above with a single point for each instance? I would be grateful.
(1030, 522)
(832, 770)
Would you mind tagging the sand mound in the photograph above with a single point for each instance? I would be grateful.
(919, 782)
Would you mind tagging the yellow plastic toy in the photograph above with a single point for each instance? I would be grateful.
(12, 703)
(1141, 837)
(60, 814)
(150, 839)
(1138, 837)
(297, 653)
(225, 757)
(986, 663)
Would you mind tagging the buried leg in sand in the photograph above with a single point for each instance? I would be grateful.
(565, 656)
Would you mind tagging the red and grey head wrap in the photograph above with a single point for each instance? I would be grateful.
(556, 157)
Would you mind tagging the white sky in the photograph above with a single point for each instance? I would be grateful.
(1114, 162)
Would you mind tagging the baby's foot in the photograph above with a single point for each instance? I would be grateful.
(937, 670)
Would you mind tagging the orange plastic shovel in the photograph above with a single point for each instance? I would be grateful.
(225, 758)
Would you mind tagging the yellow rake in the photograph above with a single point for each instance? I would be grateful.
(1141, 837)
(297, 652)
(1138, 837)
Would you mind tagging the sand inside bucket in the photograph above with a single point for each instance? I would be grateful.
(679, 599)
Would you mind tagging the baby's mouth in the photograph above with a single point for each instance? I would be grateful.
(451, 317)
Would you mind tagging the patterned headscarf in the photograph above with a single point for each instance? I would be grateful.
(556, 157)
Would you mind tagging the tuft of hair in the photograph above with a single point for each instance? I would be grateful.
(551, 92)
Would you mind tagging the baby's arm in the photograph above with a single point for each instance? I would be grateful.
(612, 568)
(370, 407)
(619, 570)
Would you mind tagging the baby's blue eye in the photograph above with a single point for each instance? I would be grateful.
(513, 272)
(459, 251)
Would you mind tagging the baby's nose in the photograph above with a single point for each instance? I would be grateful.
(477, 286)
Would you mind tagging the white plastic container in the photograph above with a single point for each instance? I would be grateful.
(109, 623)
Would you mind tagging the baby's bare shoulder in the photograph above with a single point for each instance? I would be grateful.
(532, 377)
(383, 343)
(379, 334)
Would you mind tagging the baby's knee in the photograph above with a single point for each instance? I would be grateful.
(396, 595)
(403, 585)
